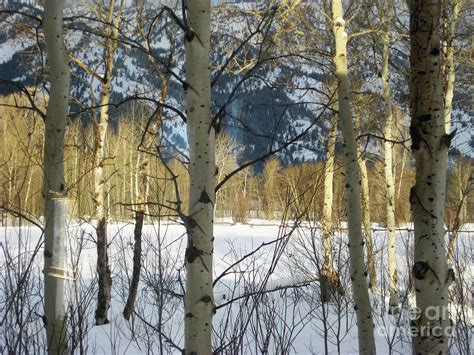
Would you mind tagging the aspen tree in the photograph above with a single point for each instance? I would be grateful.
(365, 205)
(430, 144)
(54, 187)
(386, 14)
(199, 299)
(358, 270)
(111, 19)
(367, 222)
(327, 269)
(328, 282)
(100, 195)
(450, 27)
(148, 142)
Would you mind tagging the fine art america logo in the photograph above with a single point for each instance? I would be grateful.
(432, 322)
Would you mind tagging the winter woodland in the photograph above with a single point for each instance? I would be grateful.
(236, 177)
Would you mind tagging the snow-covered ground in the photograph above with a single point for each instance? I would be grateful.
(292, 318)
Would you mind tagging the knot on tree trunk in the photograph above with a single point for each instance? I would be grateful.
(447, 139)
(192, 253)
(204, 198)
(420, 269)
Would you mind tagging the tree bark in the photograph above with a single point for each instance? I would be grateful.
(199, 298)
(394, 300)
(365, 323)
(100, 180)
(451, 23)
(430, 144)
(101, 211)
(327, 269)
(402, 173)
(54, 187)
(366, 219)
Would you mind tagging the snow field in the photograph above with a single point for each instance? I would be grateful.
(266, 305)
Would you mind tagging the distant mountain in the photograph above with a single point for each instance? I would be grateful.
(263, 111)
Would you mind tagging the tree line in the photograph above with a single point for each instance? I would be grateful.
(261, 194)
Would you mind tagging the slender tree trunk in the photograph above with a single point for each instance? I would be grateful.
(430, 145)
(27, 199)
(137, 247)
(199, 298)
(365, 322)
(143, 181)
(54, 189)
(125, 165)
(101, 211)
(366, 219)
(365, 207)
(147, 189)
(100, 180)
(327, 269)
(150, 140)
(451, 23)
(79, 209)
(394, 300)
(76, 177)
(402, 172)
(134, 165)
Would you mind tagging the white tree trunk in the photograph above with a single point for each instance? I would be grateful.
(394, 300)
(366, 219)
(199, 298)
(358, 270)
(54, 188)
(101, 210)
(451, 24)
(56, 213)
(402, 173)
(327, 269)
(430, 145)
(100, 180)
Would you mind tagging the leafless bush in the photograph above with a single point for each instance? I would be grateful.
(157, 321)
(462, 295)
(331, 320)
(21, 283)
(81, 293)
